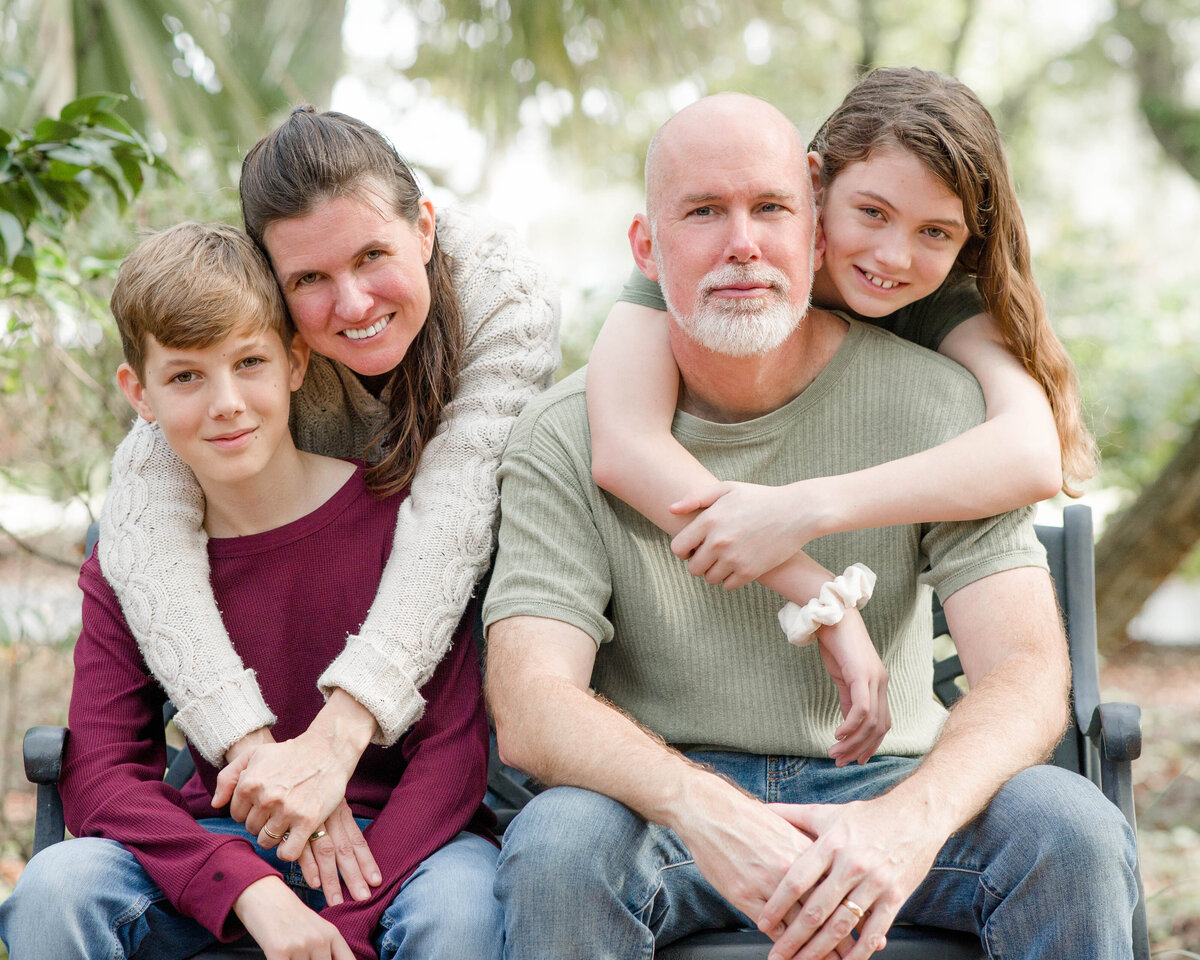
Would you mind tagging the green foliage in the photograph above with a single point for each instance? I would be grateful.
(62, 412)
(50, 174)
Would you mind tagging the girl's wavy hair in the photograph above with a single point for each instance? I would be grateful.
(313, 157)
(940, 121)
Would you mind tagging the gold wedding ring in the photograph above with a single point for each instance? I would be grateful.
(317, 836)
(854, 908)
(275, 836)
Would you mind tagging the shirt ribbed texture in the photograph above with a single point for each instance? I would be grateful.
(705, 667)
(289, 596)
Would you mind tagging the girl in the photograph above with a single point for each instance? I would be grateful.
(923, 236)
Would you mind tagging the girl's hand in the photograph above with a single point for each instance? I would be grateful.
(861, 681)
(284, 927)
(746, 529)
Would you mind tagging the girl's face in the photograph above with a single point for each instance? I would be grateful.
(353, 275)
(892, 233)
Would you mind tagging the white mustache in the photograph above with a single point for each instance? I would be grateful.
(737, 273)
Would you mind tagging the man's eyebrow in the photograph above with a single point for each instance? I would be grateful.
(692, 199)
(952, 222)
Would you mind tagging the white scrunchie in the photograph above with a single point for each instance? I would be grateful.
(852, 589)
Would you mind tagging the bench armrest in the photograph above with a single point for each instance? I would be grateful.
(43, 749)
(1116, 730)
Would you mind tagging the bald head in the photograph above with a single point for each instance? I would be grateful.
(722, 123)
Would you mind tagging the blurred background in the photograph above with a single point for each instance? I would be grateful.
(540, 111)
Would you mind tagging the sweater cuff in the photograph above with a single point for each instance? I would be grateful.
(210, 895)
(220, 716)
(379, 684)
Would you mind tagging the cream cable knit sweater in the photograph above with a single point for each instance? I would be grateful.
(152, 544)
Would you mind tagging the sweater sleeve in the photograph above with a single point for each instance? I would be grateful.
(152, 551)
(439, 794)
(112, 776)
(444, 531)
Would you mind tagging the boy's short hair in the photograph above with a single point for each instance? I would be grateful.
(191, 286)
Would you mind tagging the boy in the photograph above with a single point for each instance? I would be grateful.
(297, 543)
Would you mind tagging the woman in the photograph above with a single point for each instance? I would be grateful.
(429, 335)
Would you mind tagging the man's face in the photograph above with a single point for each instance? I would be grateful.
(733, 239)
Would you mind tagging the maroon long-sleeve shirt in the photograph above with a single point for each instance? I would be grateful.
(288, 598)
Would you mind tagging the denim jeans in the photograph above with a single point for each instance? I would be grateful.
(1046, 871)
(89, 899)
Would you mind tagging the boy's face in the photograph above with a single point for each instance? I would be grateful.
(224, 407)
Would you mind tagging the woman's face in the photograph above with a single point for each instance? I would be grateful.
(353, 275)
(892, 233)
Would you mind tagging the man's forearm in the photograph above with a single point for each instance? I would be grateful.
(561, 734)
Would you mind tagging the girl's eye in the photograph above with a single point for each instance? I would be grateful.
(873, 212)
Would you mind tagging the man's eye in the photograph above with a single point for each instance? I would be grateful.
(702, 212)
(371, 255)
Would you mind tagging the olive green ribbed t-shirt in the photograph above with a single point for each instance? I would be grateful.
(706, 667)
(925, 321)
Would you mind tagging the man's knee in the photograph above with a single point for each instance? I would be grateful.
(564, 838)
(1080, 830)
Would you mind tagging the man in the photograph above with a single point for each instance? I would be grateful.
(638, 843)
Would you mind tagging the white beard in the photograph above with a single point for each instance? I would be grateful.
(738, 327)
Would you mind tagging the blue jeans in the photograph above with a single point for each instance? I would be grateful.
(89, 899)
(1046, 871)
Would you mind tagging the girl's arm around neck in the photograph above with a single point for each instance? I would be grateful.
(1010, 460)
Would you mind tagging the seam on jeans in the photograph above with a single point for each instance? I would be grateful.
(136, 910)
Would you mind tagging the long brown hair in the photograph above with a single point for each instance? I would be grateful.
(313, 157)
(941, 122)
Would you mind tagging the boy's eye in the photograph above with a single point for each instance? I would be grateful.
(185, 377)
(252, 361)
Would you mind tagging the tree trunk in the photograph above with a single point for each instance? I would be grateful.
(1144, 544)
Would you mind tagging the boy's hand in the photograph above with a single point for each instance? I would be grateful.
(284, 927)
(341, 852)
(861, 681)
(744, 530)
